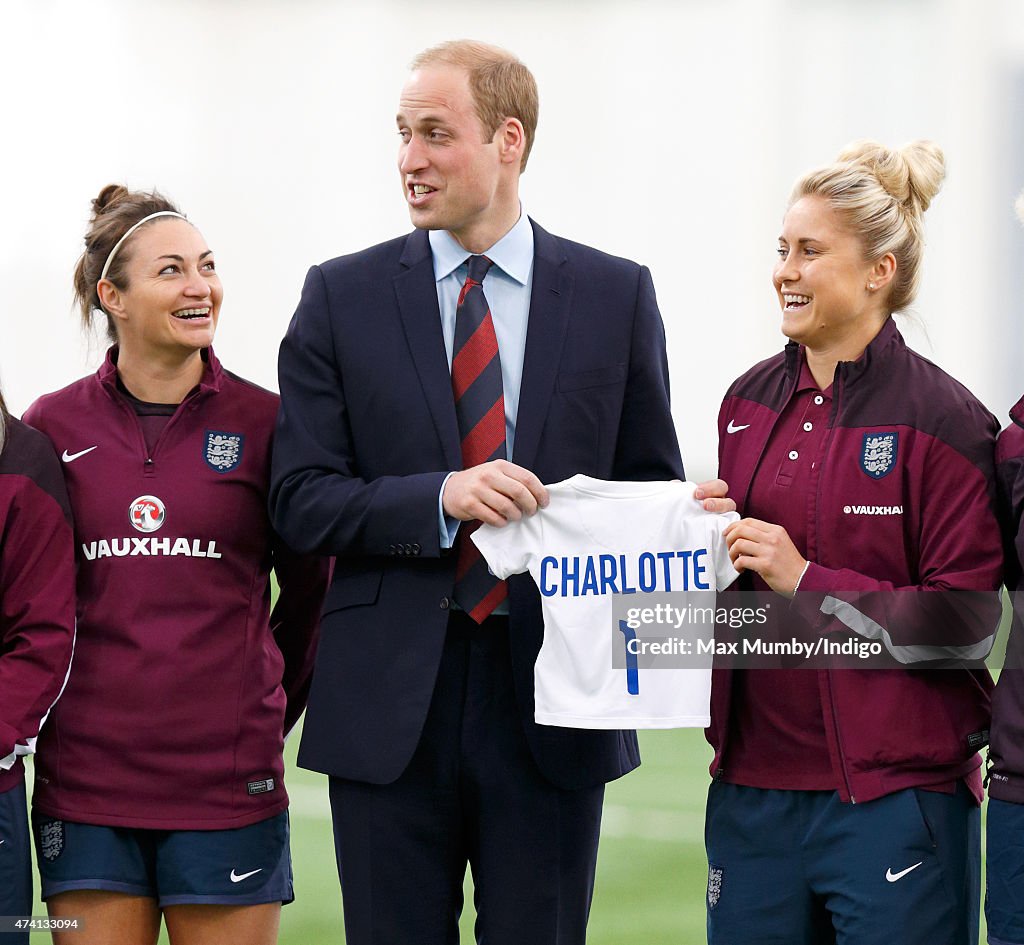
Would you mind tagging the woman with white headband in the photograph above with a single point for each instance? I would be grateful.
(159, 784)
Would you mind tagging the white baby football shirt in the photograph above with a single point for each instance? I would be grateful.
(596, 540)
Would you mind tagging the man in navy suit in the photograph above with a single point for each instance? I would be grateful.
(421, 711)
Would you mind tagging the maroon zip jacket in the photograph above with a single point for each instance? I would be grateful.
(184, 681)
(904, 504)
(1007, 756)
(37, 594)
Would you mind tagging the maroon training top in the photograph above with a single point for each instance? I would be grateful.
(184, 682)
(1007, 756)
(903, 505)
(37, 593)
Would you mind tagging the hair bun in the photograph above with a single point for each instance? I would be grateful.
(913, 174)
(108, 197)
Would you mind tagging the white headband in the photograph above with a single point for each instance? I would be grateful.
(129, 231)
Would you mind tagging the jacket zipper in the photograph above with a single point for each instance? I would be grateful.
(840, 377)
(720, 770)
(148, 461)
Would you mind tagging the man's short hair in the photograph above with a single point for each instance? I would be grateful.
(501, 85)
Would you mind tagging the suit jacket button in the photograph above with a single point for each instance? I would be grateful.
(391, 549)
(415, 549)
(445, 603)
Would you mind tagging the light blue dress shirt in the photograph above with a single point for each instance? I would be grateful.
(507, 286)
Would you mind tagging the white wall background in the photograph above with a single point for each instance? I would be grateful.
(671, 132)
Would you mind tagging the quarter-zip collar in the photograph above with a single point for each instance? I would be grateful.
(210, 382)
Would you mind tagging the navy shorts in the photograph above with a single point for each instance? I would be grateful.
(801, 867)
(243, 866)
(1004, 885)
(15, 861)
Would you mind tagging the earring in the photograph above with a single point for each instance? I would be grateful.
(871, 286)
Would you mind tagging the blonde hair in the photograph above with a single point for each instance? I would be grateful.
(881, 194)
(502, 86)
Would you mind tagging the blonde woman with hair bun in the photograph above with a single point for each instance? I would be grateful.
(845, 805)
(1004, 897)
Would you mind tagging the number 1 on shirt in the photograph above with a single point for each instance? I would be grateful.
(632, 670)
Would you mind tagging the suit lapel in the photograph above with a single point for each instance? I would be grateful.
(417, 301)
(545, 334)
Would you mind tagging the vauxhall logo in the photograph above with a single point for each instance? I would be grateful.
(147, 514)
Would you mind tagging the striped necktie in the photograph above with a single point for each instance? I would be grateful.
(480, 408)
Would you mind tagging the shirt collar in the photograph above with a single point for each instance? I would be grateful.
(512, 254)
(805, 380)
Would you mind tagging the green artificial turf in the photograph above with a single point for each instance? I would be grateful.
(651, 870)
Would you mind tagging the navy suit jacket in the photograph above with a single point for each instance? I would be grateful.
(366, 434)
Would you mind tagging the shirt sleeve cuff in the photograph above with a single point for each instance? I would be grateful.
(447, 526)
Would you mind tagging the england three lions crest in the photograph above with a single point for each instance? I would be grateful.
(223, 451)
(878, 454)
(51, 839)
(715, 876)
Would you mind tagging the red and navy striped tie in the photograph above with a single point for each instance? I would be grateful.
(480, 408)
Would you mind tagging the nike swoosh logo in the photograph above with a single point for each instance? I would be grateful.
(892, 877)
(235, 878)
(71, 457)
(732, 428)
